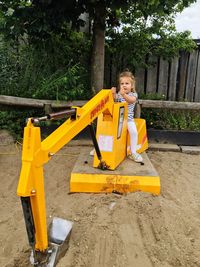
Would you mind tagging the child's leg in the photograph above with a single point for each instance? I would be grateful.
(133, 142)
(133, 136)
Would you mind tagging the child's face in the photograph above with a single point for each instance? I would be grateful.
(126, 84)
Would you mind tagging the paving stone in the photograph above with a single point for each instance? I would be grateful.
(190, 149)
(164, 147)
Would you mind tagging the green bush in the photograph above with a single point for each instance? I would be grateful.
(14, 121)
(169, 119)
(172, 119)
(56, 68)
(63, 86)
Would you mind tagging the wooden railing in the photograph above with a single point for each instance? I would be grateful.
(12, 102)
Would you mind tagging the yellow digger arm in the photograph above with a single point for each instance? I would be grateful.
(36, 153)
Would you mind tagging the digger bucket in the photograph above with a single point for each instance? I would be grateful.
(59, 234)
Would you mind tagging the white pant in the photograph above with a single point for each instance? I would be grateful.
(133, 136)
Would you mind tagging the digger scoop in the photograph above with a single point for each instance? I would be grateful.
(59, 234)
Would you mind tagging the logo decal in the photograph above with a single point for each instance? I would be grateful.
(99, 107)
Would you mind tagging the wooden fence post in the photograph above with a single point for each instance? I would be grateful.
(139, 76)
(173, 79)
(152, 76)
(197, 85)
(163, 76)
(190, 84)
(183, 64)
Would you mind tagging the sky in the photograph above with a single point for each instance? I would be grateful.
(189, 19)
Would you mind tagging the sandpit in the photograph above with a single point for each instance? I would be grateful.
(110, 230)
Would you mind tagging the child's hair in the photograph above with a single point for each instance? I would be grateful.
(130, 75)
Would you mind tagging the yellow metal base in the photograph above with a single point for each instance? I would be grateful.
(128, 177)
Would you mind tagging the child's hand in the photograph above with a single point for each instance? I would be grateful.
(122, 92)
(114, 90)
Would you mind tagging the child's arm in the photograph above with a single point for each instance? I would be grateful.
(129, 98)
(114, 92)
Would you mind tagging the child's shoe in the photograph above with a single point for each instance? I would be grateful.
(136, 157)
(92, 152)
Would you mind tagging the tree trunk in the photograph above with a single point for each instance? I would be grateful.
(98, 49)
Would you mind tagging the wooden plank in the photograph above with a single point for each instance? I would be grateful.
(36, 103)
(190, 84)
(173, 79)
(161, 104)
(139, 76)
(197, 84)
(20, 101)
(152, 76)
(33, 103)
(183, 64)
(163, 77)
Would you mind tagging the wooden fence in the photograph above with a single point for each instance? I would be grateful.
(177, 80)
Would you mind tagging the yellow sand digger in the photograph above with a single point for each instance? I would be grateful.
(104, 174)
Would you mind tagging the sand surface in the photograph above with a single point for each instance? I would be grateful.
(110, 230)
